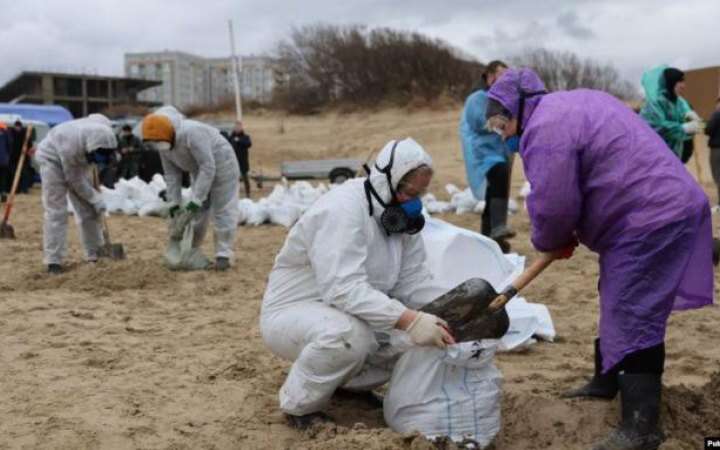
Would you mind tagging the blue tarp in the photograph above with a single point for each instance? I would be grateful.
(50, 114)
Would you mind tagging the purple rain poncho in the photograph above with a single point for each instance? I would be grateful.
(600, 173)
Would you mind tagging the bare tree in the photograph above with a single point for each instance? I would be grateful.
(325, 64)
(566, 70)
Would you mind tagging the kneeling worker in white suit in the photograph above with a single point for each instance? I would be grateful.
(65, 156)
(343, 277)
(189, 146)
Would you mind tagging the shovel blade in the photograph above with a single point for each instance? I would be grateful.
(465, 308)
(117, 251)
(7, 231)
(112, 251)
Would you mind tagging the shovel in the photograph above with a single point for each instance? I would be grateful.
(108, 250)
(474, 310)
(6, 230)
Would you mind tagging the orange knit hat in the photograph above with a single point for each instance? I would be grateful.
(157, 127)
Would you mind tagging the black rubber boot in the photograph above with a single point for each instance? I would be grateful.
(498, 219)
(54, 269)
(370, 398)
(604, 386)
(716, 251)
(308, 420)
(222, 264)
(639, 429)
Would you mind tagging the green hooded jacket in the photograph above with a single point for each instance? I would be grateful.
(664, 116)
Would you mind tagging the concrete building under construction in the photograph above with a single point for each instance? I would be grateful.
(82, 94)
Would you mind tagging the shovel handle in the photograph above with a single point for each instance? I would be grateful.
(103, 220)
(16, 179)
(535, 269)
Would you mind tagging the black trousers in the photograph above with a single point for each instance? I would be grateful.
(715, 168)
(26, 175)
(5, 179)
(497, 187)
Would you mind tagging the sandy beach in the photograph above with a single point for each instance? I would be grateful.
(123, 355)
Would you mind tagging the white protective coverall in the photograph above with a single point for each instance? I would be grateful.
(338, 286)
(65, 173)
(209, 158)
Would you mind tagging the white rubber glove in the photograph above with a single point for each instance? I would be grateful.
(692, 116)
(691, 127)
(427, 329)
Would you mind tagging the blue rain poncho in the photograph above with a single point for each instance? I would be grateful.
(482, 149)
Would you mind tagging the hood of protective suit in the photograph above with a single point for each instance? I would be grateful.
(99, 118)
(96, 134)
(409, 155)
(161, 129)
(653, 83)
(506, 90)
(173, 114)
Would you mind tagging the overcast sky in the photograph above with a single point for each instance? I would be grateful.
(92, 36)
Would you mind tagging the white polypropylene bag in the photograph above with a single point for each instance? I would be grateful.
(454, 392)
(451, 189)
(245, 205)
(257, 214)
(284, 214)
(525, 190)
(457, 392)
(456, 254)
(156, 207)
(479, 207)
(434, 206)
(180, 254)
(464, 202)
(114, 201)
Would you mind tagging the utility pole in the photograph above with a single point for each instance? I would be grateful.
(236, 73)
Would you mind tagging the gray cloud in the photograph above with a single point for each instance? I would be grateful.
(84, 35)
(507, 41)
(570, 23)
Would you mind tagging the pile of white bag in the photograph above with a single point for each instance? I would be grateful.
(283, 206)
(461, 202)
(136, 197)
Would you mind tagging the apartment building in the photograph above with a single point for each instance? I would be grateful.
(189, 79)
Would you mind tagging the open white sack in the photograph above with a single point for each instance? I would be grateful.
(456, 254)
(456, 392)
(181, 255)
